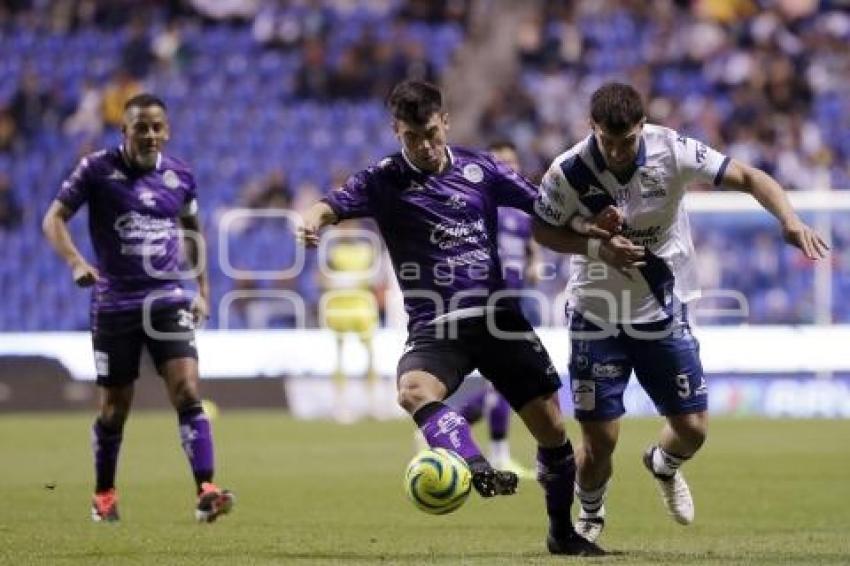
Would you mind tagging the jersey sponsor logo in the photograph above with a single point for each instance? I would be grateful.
(101, 362)
(185, 319)
(480, 256)
(171, 180)
(607, 371)
(472, 172)
(643, 236)
(584, 394)
(551, 181)
(448, 235)
(136, 226)
(582, 362)
(547, 211)
(651, 183)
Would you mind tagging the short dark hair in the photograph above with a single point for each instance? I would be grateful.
(144, 100)
(500, 144)
(617, 107)
(414, 101)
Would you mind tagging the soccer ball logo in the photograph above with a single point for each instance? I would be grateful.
(437, 481)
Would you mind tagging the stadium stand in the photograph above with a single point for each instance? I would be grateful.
(298, 87)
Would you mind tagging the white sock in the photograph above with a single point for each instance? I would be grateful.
(664, 463)
(500, 452)
(592, 500)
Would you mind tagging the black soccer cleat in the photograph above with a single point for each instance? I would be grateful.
(491, 482)
(573, 544)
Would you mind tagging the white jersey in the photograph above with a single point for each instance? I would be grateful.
(651, 199)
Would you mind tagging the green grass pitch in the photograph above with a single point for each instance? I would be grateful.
(766, 492)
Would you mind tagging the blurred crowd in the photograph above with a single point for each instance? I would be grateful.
(765, 81)
(273, 102)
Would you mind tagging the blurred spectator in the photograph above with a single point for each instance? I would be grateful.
(137, 57)
(8, 130)
(87, 119)
(271, 191)
(10, 210)
(120, 88)
(30, 105)
(350, 79)
(288, 26)
(168, 47)
(411, 62)
(313, 79)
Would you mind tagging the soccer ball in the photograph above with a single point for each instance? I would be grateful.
(437, 481)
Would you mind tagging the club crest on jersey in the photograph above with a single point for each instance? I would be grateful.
(415, 186)
(472, 172)
(170, 179)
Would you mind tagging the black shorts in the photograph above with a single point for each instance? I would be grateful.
(118, 337)
(518, 366)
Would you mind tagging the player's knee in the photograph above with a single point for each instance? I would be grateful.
(554, 434)
(184, 394)
(695, 436)
(113, 416)
(414, 392)
(692, 429)
(598, 446)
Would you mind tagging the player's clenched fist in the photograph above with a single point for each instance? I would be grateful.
(85, 275)
(622, 254)
(307, 236)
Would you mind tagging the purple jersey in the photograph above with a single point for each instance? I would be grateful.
(440, 230)
(132, 214)
(514, 235)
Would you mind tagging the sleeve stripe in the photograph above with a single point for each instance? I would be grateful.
(590, 190)
(720, 172)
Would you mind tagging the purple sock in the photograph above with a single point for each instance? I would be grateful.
(106, 443)
(443, 427)
(556, 473)
(499, 418)
(474, 408)
(196, 438)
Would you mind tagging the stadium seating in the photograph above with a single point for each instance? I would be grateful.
(235, 117)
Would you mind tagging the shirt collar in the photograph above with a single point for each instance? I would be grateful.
(126, 160)
(599, 160)
(417, 169)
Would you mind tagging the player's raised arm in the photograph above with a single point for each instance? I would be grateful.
(54, 226)
(317, 217)
(559, 227)
(770, 194)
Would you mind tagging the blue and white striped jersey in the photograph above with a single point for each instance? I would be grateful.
(651, 199)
